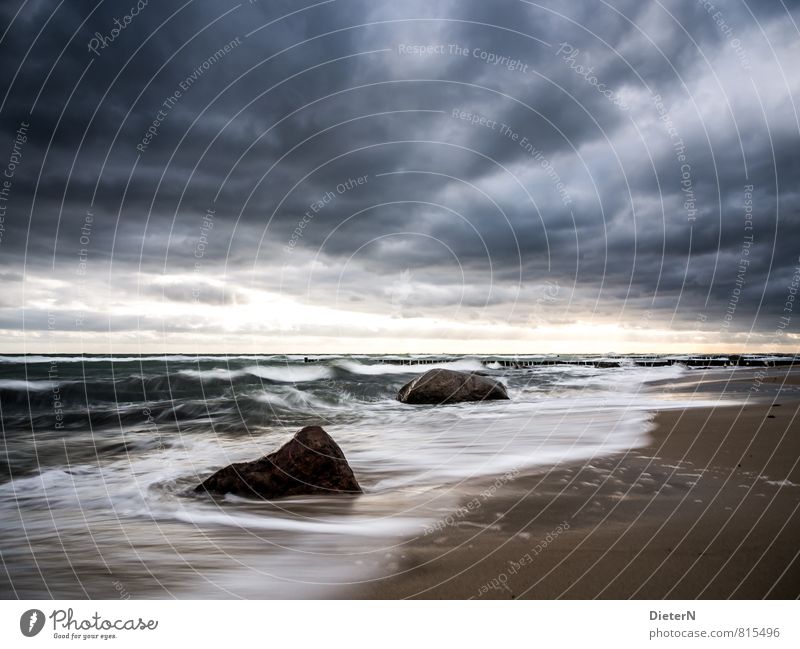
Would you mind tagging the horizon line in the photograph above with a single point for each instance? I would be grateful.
(310, 354)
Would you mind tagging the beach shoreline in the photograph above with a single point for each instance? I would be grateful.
(707, 507)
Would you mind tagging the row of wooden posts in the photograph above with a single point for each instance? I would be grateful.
(699, 361)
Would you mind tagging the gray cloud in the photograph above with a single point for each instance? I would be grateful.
(555, 184)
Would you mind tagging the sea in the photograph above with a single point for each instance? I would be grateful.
(100, 456)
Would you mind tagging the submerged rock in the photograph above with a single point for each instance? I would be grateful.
(310, 463)
(448, 386)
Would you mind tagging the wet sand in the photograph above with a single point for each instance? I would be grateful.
(709, 507)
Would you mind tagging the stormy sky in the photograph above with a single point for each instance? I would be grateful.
(361, 176)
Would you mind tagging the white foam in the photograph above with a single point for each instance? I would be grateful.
(216, 374)
(782, 483)
(276, 373)
(288, 397)
(347, 525)
(290, 373)
(626, 378)
(27, 386)
(376, 369)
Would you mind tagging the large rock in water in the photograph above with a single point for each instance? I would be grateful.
(448, 386)
(310, 463)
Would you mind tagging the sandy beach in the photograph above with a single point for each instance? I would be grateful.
(707, 507)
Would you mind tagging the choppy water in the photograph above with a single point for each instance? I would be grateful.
(99, 458)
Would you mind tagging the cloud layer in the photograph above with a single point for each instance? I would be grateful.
(419, 176)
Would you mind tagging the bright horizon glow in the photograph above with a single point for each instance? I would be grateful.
(246, 319)
(616, 341)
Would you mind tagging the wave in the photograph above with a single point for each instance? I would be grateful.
(49, 487)
(17, 385)
(216, 374)
(290, 374)
(275, 374)
(625, 378)
(289, 398)
(351, 526)
(306, 373)
(376, 369)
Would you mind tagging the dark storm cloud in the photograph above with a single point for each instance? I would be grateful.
(554, 182)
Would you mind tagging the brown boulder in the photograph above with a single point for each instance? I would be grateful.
(448, 386)
(310, 463)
